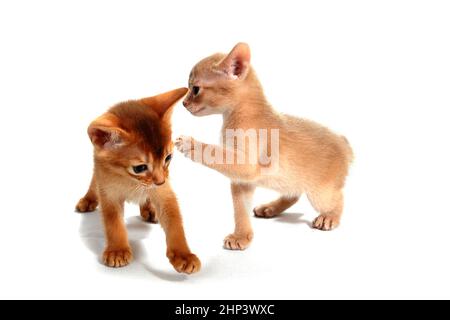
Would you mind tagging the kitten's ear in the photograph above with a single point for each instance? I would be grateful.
(105, 133)
(237, 63)
(164, 102)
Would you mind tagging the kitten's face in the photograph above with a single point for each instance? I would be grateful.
(214, 82)
(136, 161)
(133, 140)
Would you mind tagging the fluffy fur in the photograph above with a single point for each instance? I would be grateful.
(312, 159)
(131, 134)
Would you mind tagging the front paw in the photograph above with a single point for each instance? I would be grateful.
(86, 205)
(117, 258)
(185, 145)
(238, 241)
(326, 222)
(184, 262)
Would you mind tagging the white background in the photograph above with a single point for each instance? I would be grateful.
(375, 71)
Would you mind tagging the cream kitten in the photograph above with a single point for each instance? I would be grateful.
(310, 158)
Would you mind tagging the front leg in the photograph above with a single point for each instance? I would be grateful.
(168, 214)
(118, 251)
(243, 234)
(218, 158)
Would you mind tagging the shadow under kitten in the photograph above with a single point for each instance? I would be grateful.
(92, 235)
(293, 218)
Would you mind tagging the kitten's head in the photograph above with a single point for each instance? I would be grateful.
(132, 141)
(218, 82)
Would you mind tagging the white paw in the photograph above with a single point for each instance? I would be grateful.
(185, 145)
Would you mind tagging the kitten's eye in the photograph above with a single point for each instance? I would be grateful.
(195, 90)
(139, 169)
(168, 158)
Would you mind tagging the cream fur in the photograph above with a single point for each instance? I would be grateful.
(312, 159)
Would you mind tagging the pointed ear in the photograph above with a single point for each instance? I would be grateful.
(237, 63)
(105, 133)
(164, 102)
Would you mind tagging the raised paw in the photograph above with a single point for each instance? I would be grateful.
(148, 213)
(86, 205)
(117, 258)
(184, 262)
(185, 145)
(238, 242)
(265, 211)
(326, 222)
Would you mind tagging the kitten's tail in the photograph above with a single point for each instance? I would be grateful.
(349, 150)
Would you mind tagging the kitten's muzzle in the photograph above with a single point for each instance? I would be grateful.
(194, 109)
(191, 107)
(159, 183)
(158, 178)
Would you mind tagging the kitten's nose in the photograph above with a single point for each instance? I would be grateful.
(158, 179)
(185, 103)
(159, 183)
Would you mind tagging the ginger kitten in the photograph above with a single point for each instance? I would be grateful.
(132, 153)
(309, 158)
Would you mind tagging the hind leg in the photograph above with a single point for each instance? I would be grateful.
(148, 212)
(275, 208)
(90, 201)
(329, 203)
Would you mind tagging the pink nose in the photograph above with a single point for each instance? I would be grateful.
(185, 103)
